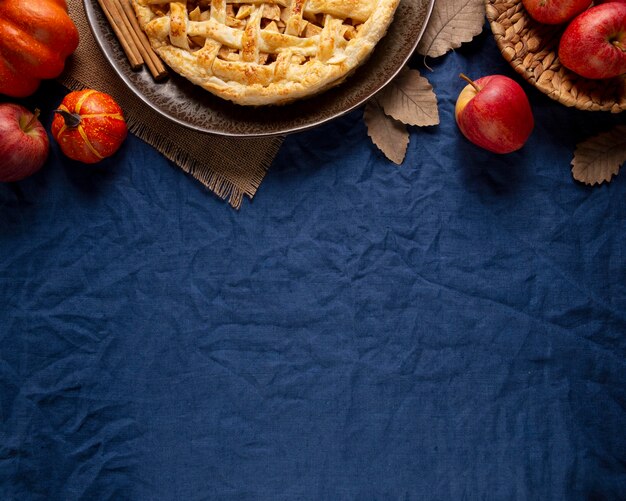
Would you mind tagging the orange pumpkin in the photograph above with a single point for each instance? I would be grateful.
(89, 125)
(36, 36)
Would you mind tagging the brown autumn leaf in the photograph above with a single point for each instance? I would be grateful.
(451, 23)
(389, 135)
(409, 97)
(598, 158)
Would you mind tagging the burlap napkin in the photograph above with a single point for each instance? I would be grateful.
(229, 167)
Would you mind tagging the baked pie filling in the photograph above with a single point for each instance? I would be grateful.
(256, 52)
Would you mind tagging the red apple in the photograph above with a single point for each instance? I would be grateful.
(23, 143)
(594, 43)
(555, 11)
(494, 113)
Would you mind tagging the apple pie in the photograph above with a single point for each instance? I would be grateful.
(256, 52)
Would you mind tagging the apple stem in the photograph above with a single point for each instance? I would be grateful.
(469, 81)
(32, 121)
(71, 119)
(619, 45)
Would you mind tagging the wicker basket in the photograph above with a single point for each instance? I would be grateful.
(531, 48)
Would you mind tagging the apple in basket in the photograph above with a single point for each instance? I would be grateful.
(493, 112)
(594, 43)
(555, 11)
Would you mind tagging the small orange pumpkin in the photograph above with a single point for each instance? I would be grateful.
(89, 126)
(36, 37)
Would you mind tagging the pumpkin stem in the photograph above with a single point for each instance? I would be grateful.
(32, 120)
(72, 120)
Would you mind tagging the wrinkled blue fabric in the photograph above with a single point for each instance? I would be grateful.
(451, 328)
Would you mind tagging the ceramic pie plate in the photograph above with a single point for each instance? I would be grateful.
(191, 106)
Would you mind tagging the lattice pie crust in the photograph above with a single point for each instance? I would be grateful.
(256, 52)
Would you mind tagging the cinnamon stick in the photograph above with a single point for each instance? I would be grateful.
(152, 60)
(122, 34)
(119, 15)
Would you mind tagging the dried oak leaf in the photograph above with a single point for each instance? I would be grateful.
(389, 135)
(598, 158)
(409, 97)
(451, 23)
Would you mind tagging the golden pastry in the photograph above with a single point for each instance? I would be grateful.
(257, 52)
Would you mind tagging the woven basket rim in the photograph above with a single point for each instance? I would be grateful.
(530, 48)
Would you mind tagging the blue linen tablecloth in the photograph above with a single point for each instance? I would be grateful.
(453, 328)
